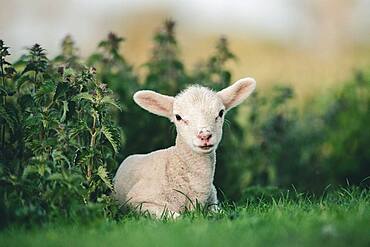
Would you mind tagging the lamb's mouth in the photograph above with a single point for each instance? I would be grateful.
(206, 147)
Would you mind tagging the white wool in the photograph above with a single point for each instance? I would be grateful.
(176, 178)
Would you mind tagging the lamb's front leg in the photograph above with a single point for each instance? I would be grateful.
(212, 202)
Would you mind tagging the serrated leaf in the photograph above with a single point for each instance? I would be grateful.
(21, 80)
(111, 101)
(6, 115)
(84, 157)
(78, 128)
(103, 174)
(85, 96)
(112, 135)
(48, 87)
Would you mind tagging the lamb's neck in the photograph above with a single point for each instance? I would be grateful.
(193, 159)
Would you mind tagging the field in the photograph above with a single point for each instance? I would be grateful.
(341, 218)
(67, 122)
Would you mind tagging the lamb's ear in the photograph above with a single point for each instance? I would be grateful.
(237, 92)
(154, 102)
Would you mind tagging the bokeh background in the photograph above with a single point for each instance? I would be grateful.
(310, 44)
(307, 125)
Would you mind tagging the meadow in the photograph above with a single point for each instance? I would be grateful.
(339, 218)
(289, 173)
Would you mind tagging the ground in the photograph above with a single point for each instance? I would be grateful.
(339, 220)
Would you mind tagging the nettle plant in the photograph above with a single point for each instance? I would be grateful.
(58, 139)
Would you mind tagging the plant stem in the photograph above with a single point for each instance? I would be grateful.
(34, 82)
(78, 117)
(3, 102)
(92, 146)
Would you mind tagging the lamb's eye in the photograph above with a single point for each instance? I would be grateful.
(178, 118)
(221, 113)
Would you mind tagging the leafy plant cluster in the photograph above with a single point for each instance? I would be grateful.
(325, 143)
(58, 141)
(63, 133)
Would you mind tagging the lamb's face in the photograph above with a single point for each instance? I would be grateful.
(198, 114)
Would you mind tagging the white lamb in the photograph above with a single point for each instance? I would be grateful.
(173, 179)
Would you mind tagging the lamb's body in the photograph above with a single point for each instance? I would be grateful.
(171, 179)
(178, 177)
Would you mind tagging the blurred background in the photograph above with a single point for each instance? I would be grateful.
(307, 124)
(309, 44)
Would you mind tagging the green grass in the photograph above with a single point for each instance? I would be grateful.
(338, 219)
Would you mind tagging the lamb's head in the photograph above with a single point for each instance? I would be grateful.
(197, 112)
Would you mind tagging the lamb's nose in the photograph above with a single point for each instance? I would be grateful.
(204, 135)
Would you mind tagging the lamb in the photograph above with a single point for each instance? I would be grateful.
(173, 179)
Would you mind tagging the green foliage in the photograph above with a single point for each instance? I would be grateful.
(165, 74)
(322, 145)
(67, 123)
(113, 68)
(345, 148)
(213, 72)
(61, 142)
(165, 70)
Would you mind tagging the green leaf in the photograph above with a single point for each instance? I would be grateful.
(59, 156)
(6, 91)
(25, 101)
(9, 117)
(112, 135)
(30, 169)
(83, 157)
(85, 96)
(69, 72)
(21, 80)
(65, 109)
(78, 128)
(30, 67)
(61, 90)
(103, 174)
(48, 87)
(3, 91)
(111, 101)
(56, 176)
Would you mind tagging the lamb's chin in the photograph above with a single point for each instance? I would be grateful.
(203, 150)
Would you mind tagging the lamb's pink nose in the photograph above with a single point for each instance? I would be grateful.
(204, 135)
